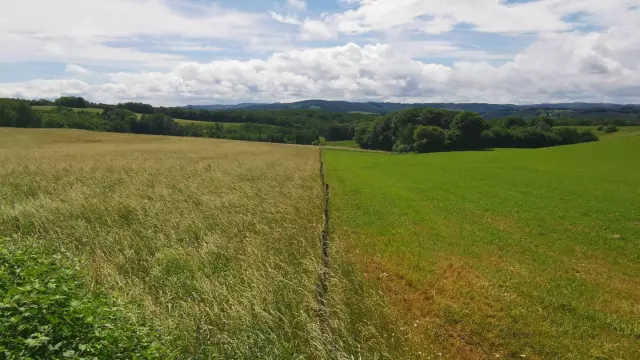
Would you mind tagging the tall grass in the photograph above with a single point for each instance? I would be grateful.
(215, 243)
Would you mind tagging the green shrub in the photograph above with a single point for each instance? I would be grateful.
(588, 136)
(610, 129)
(429, 138)
(466, 129)
(600, 128)
(401, 148)
(47, 312)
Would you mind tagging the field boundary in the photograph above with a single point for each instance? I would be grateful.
(323, 287)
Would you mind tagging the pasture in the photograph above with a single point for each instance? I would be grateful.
(207, 123)
(214, 243)
(46, 108)
(500, 254)
(343, 143)
(623, 131)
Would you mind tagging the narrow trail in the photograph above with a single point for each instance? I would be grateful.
(324, 272)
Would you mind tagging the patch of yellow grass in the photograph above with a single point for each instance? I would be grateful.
(215, 242)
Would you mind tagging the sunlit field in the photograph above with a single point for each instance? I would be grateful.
(214, 243)
(501, 254)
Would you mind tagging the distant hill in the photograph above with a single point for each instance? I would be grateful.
(489, 111)
(223, 107)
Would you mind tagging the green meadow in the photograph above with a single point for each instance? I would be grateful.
(500, 254)
(50, 107)
(344, 143)
(206, 123)
(177, 247)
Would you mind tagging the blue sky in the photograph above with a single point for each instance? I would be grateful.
(179, 52)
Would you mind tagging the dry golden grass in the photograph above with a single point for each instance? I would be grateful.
(216, 243)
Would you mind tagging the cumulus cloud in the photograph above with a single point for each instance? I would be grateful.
(101, 30)
(387, 51)
(77, 70)
(43, 89)
(557, 67)
(436, 16)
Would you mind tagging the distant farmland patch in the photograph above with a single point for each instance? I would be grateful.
(46, 108)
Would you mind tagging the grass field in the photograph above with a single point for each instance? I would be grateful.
(623, 131)
(345, 143)
(95, 110)
(501, 254)
(207, 123)
(215, 243)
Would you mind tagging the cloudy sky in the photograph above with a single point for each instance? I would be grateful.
(178, 52)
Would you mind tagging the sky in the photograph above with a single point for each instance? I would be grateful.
(180, 52)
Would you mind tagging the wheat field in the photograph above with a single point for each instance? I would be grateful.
(215, 243)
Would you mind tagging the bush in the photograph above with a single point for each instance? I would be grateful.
(71, 101)
(467, 128)
(429, 138)
(401, 148)
(588, 136)
(600, 128)
(610, 129)
(46, 312)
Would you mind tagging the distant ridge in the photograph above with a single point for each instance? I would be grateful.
(489, 110)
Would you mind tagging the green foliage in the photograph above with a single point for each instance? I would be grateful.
(139, 108)
(428, 130)
(610, 129)
(513, 121)
(429, 138)
(47, 312)
(17, 113)
(467, 128)
(71, 101)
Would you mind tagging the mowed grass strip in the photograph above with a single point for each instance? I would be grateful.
(215, 243)
(500, 254)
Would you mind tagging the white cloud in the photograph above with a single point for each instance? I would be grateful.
(436, 16)
(597, 61)
(316, 30)
(76, 70)
(291, 20)
(299, 5)
(37, 89)
(97, 30)
(557, 67)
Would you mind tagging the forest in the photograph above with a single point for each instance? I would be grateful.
(410, 130)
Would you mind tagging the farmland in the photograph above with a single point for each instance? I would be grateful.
(51, 107)
(214, 243)
(506, 253)
(205, 123)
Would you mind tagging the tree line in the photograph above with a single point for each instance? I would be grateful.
(431, 130)
(285, 125)
(417, 130)
(18, 113)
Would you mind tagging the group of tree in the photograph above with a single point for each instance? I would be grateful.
(19, 113)
(430, 130)
(329, 125)
(413, 129)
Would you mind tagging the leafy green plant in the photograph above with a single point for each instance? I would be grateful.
(47, 312)
(610, 129)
